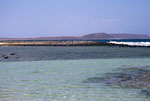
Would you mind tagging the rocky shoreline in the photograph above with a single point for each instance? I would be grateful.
(61, 43)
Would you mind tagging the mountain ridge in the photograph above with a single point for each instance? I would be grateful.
(93, 36)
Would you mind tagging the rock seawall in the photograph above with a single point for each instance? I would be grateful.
(61, 43)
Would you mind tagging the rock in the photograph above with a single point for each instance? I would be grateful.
(5, 57)
(146, 92)
(12, 54)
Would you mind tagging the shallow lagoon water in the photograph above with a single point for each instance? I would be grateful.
(62, 80)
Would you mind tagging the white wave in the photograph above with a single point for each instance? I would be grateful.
(2, 43)
(131, 43)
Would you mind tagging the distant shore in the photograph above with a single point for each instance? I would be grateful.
(61, 43)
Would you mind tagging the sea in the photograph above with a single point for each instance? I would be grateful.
(130, 42)
(56, 73)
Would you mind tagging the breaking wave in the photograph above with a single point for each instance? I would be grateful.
(1, 43)
(131, 43)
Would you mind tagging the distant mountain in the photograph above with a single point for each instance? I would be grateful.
(94, 36)
(97, 36)
(115, 36)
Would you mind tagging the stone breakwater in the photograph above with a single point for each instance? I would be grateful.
(49, 43)
(61, 43)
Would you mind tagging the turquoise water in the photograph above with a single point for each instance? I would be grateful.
(62, 80)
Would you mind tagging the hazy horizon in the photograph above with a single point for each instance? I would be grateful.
(45, 18)
(72, 35)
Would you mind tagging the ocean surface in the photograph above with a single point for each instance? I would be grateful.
(42, 73)
(130, 42)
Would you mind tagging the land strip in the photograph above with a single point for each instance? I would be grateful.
(60, 43)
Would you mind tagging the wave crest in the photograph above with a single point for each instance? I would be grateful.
(131, 43)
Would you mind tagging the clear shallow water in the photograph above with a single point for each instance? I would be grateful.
(62, 80)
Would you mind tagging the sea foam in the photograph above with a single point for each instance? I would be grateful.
(131, 43)
(1, 43)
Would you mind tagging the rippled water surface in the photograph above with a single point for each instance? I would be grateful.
(30, 53)
(62, 80)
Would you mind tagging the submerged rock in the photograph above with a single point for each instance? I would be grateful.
(11, 56)
(146, 92)
(94, 80)
(138, 78)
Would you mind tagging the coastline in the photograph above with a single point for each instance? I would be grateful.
(61, 43)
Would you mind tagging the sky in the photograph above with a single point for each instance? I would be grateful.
(41, 18)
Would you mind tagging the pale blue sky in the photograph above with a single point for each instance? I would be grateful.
(33, 18)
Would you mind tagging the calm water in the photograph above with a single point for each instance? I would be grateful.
(62, 79)
(30, 53)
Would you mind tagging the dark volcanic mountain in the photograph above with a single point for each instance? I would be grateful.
(94, 36)
(97, 36)
(115, 36)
